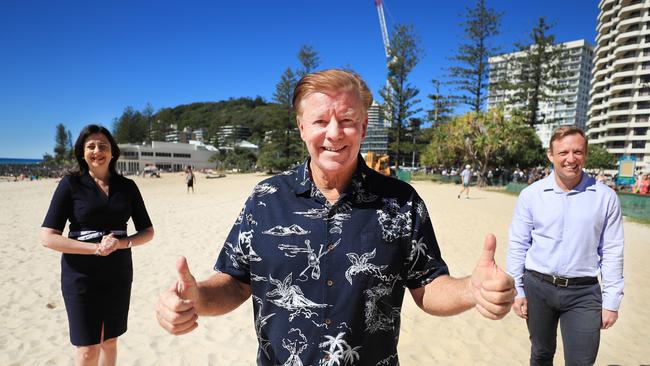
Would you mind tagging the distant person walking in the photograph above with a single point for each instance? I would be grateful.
(96, 266)
(466, 176)
(189, 179)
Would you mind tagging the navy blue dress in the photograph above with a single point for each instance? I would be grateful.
(96, 289)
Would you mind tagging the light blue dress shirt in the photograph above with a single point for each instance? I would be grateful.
(578, 233)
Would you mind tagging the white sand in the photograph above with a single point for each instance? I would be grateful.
(33, 322)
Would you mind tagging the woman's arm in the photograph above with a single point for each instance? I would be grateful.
(139, 238)
(51, 238)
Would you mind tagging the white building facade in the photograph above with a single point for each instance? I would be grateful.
(377, 133)
(619, 113)
(571, 105)
(166, 156)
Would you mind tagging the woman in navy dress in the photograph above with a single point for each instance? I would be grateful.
(96, 266)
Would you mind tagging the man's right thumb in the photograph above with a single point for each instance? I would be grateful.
(185, 278)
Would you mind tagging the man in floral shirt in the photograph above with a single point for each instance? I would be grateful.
(327, 249)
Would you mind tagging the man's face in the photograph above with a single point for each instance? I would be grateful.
(333, 127)
(568, 157)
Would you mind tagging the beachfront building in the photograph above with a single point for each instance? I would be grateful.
(571, 104)
(166, 156)
(230, 135)
(377, 133)
(619, 113)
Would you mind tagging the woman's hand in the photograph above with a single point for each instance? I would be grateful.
(108, 245)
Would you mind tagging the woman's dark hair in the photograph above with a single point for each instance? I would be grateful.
(79, 148)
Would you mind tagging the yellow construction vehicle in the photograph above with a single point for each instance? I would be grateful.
(377, 162)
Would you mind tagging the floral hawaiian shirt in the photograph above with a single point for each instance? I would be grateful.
(328, 280)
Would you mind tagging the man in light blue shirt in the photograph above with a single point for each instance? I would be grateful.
(566, 230)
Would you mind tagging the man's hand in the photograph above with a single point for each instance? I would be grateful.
(493, 290)
(520, 307)
(175, 309)
(609, 318)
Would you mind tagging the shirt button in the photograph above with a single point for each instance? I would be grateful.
(330, 247)
(330, 283)
(328, 321)
(326, 357)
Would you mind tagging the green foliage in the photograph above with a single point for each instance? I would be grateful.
(442, 105)
(399, 95)
(282, 147)
(241, 159)
(308, 58)
(470, 75)
(63, 151)
(130, 127)
(484, 140)
(599, 158)
(535, 71)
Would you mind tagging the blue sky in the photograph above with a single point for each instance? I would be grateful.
(80, 62)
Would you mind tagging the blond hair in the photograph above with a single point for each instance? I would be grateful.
(328, 81)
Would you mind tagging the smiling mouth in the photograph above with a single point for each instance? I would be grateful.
(333, 149)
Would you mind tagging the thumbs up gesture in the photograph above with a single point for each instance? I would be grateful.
(175, 309)
(493, 289)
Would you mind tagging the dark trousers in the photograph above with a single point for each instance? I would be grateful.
(577, 308)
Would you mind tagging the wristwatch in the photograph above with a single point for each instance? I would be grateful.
(130, 244)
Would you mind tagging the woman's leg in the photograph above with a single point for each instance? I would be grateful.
(108, 354)
(87, 355)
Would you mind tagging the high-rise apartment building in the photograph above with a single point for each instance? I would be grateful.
(377, 133)
(570, 106)
(619, 113)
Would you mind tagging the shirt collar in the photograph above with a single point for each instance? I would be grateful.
(303, 182)
(587, 183)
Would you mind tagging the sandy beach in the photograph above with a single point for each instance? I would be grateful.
(33, 322)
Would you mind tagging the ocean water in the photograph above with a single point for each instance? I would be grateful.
(4, 161)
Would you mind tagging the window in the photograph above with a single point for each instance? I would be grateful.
(130, 155)
(638, 144)
(146, 153)
(182, 155)
(164, 154)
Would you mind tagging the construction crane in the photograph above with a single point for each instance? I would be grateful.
(382, 25)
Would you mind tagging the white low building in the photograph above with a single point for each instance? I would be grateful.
(166, 156)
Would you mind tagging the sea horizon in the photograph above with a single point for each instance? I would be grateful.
(4, 161)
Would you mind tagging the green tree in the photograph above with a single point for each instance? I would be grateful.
(470, 74)
(485, 140)
(130, 127)
(62, 144)
(241, 159)
(282, 147)
(399, 95)
(309, 60)
(442, 105)
(599, 158)
(537, 70)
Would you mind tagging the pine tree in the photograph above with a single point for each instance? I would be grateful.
(471, 73)
(538, 73)
(399, 95)
(308, 57)
(61, 144)
(442, 106)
